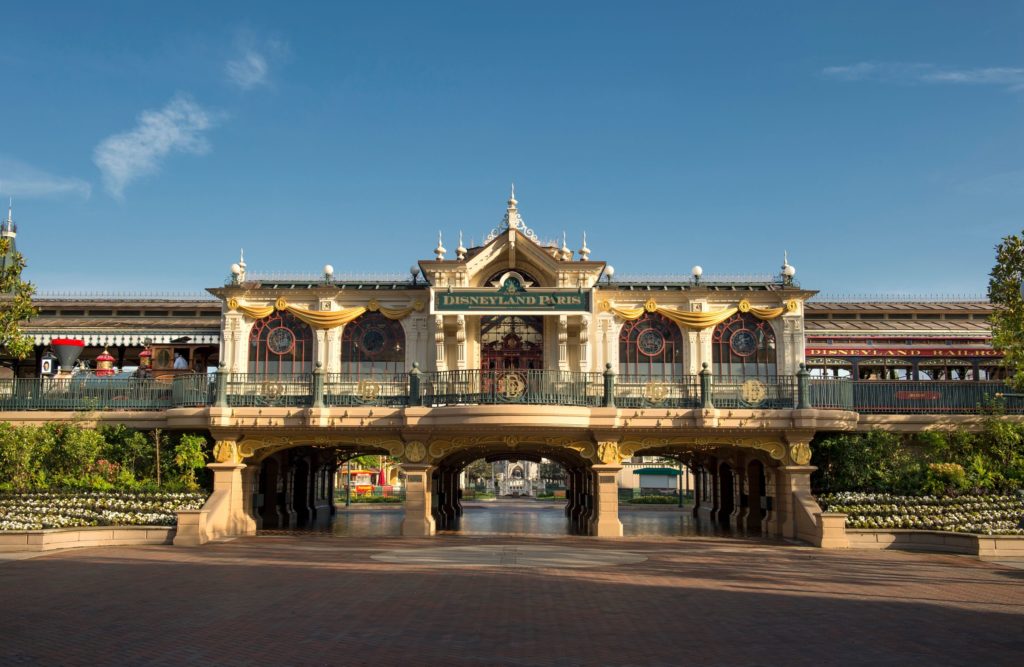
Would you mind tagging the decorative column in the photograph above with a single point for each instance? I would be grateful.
(563, 343)
(460, 342)
(738, 517)
(605, 522)
(418, 520)
(332, 350)
(604, 475)
(584, 344)
(224, 514)
(440, 364)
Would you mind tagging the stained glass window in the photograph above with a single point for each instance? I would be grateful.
(373, 345)
(650, 347)
(280, 344)
(744, 346)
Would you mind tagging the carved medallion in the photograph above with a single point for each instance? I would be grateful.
(225, 451)
(753, 392)
(800, 453)
(415, 451)
(655, 392)
(512, 386)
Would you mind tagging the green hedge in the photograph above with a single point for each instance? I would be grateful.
(945, 463)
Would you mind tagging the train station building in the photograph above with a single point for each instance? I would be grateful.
(524, 350)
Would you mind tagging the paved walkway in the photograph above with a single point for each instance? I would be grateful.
(282, 600)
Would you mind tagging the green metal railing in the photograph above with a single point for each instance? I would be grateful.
(910, 396)
(84, 392)
(534, 387)
(775, 392)
(644, 392)
(350, 389)
(252, 390)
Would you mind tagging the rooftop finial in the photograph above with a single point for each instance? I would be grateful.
(241, 257)
(10, 210)
(439, 251)
(584, 251)
(512, 200)
(461, 251)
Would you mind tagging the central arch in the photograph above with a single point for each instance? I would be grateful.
(580, 506)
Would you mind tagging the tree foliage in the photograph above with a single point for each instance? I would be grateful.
(15, 304)
(66, 456)
(1008, 316)
(932, 462)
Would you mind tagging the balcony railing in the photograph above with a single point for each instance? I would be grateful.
(86, 392)
(531, 387)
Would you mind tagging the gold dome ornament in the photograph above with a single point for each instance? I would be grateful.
(744, 306)
(281, 303)
(651, 306)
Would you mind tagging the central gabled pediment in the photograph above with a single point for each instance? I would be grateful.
(513, 247)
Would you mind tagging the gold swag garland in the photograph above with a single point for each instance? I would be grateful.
(323, 319)
(697, 320)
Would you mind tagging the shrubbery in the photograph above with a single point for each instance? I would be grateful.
(654, 500)
(946, 463)
(66, 456)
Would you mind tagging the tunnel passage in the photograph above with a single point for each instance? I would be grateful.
(447, 509)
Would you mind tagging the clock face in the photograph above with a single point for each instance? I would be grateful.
(743, 343)
(280, 341)
(651, 342)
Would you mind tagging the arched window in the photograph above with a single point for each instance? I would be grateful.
(744, 346)
(650, 347)
(373, 345)
(280, 344)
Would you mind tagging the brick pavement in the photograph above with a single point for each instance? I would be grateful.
(314, 600)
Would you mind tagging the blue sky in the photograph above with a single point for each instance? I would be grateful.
(881, 144)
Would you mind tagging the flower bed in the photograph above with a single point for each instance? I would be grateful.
(34, 511)
(985, 515)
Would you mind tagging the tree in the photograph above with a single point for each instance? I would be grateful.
(1008, 315)
(15, 301)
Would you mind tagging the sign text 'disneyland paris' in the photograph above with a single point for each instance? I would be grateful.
(520, 301)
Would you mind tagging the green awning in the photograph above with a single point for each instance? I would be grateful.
(656, 471)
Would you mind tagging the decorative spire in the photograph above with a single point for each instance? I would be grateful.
(8, 229)
(241, 258)
(584, 251)
(512, 200)
(566, 253)
(461, 251)
(788, 271)
(439, 251)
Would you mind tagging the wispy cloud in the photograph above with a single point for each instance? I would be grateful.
(250, 68)
(176, 128)
(1012, 78)
(22, 180)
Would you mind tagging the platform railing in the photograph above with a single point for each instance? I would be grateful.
(526, 386)
(682, 391)
(778, 392)
(915, 396)
(386, 389)
(86, 392)
(251, 390)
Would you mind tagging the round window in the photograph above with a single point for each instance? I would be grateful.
(372, 341)
(280, 340)
(743, 342)
(650, 342)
